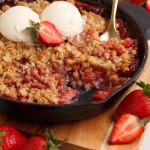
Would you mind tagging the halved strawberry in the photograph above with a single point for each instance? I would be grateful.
(44, 32)
(127, 129)
(49, 34)
(147, 5)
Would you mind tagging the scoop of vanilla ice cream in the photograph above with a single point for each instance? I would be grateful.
(15, 20)
(65, 16)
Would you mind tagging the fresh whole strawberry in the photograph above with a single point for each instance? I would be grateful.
(34, 143)
(127, 129)
(13, 139)
(137, 102)
(44, 32)
(42, 143)
(147, 5)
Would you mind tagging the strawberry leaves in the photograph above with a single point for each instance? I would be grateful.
(145, 87)
(32, 31)
(52, 143)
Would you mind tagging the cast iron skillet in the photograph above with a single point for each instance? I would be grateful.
(137, 21)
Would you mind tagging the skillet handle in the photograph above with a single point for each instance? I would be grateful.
(140, 16)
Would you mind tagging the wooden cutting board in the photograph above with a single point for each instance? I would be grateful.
(92, 133)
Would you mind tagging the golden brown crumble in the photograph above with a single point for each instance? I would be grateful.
(46, 67)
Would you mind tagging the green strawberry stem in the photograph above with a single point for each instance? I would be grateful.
(32, 31)
(52, 143)
(145, 87)
(3, 133)
(145, 120)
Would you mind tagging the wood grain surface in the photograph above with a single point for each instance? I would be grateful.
(92, 133)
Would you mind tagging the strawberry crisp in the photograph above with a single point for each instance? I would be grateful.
(55, 74)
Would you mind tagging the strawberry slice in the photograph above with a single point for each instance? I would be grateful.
(126, 129)
(49, 34)
(147, 5)
(44, 32)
